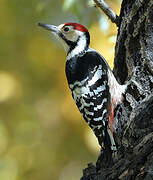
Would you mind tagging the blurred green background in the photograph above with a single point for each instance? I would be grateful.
(42, 134)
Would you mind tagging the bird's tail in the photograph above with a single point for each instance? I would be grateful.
(109, 142)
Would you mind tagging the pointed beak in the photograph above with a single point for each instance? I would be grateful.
(49, 27)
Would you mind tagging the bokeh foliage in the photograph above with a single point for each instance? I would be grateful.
(42, 134)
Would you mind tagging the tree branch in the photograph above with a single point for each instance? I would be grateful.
(108, 11)
(133, 119)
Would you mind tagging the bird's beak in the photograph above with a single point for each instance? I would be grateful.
(49, 27)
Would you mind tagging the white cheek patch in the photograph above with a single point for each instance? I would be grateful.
(71, 36)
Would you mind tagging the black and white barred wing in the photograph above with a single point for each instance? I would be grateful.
(93, 99)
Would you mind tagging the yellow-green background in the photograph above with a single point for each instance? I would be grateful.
(42, 134)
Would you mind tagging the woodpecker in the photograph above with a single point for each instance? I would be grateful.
(94, 88)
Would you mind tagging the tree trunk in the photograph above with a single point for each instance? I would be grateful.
(134, 117)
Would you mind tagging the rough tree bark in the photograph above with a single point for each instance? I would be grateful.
(134, 117)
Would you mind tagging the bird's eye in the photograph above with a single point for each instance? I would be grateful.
(66, 29)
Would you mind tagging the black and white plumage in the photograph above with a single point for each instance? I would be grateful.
(93, 85)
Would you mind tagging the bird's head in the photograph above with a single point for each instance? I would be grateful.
(73, 35)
